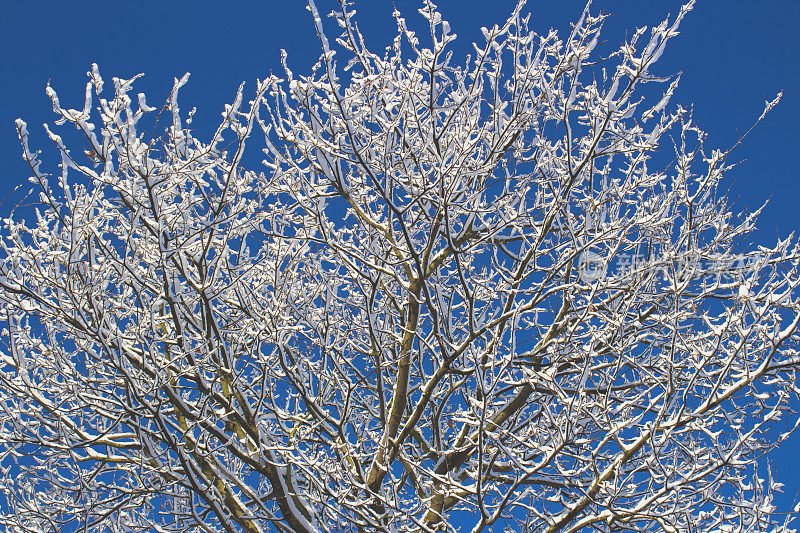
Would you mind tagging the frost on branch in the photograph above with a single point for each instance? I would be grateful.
(505, 288)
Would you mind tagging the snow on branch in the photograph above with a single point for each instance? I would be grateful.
(507, 288)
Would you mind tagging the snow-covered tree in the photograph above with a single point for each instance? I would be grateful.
(499, 293)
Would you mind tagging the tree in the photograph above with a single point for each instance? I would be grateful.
(507, 293)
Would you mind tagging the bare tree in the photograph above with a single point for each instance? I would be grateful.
(501, 294)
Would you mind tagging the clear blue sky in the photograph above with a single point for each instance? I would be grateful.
(734, 54)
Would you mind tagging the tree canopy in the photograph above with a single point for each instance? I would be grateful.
(503, 293)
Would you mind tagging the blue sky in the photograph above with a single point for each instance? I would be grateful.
(734, 54)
